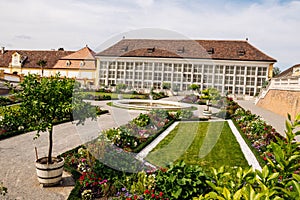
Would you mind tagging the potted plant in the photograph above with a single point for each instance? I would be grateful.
(121, 87)
(46, 101)
(207, 112)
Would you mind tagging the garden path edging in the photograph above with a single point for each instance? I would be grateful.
(251, 159)
(154, 143)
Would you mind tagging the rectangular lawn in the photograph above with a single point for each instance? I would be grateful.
(209, 144)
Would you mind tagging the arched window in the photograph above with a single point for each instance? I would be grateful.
(68, 63)
(82, 63)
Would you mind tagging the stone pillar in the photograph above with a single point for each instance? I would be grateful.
(270, 71)
(1, 74)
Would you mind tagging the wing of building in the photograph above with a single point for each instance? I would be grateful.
(233, 67)
(25, 61)
(79, 64)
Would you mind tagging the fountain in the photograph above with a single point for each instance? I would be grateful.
(139, 104)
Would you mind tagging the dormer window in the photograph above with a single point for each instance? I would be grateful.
(150, 50)
(124, 49)
(241, 52)
(16, 60)
(68, 63)
(180, 50)
(82, 63)
(211, 51)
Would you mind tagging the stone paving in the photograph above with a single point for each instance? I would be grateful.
(275, 120)
(18, 155)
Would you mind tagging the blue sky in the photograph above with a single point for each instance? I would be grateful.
(272, 26)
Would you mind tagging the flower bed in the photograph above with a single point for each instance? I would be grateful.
(140, 130)
(95, 180)
(256, 130)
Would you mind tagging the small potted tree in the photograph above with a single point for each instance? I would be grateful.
(121, 87)
(46, 101)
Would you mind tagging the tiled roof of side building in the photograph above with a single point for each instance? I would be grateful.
(84, 53)
(200, 49)
(81, 59)
(288, 72)
(33, 56)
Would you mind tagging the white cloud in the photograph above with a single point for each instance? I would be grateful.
(271, 25)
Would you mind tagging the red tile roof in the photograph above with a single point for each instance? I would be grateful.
(288, 72)
(84, 56)
(33, 57)
(85, 53)
(200, 49)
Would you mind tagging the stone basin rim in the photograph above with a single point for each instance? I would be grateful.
(166, 105)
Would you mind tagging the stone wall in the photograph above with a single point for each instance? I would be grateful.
(281, 102)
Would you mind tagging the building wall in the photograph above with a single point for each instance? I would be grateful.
(281, 102)
(231, 77)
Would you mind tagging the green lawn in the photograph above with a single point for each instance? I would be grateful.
(209, 144)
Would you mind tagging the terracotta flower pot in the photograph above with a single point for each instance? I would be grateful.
(49, 174)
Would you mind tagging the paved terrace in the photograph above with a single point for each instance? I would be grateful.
(18, 155)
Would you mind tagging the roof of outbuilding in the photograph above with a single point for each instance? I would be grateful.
(288, 72)
(81, 59)
(199, 49)
(32, 57)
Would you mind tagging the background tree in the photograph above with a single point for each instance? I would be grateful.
(42, 64)
(276, 71)
(166, 86)
(48, 100)
(120, 87)
(194, 87)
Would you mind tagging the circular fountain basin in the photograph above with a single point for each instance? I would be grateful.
(150, 104)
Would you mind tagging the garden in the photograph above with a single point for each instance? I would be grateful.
(107, 167)
(186, 179)
(279, 178)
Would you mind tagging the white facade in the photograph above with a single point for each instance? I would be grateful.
(228, 76)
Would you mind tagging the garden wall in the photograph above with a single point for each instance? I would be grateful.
(281, 102)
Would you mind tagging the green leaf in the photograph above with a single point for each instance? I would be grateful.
(265, 172)
(226, 193)
(297, 177)
(176, 193)
(273, 176)
(293, 157)
(237, 195)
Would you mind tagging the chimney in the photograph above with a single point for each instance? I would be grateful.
(2, 50)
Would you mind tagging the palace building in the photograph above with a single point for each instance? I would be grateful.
(233, 67)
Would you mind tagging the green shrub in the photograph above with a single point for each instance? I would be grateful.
(181, 181)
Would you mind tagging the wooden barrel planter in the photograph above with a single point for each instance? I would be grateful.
(49, 174)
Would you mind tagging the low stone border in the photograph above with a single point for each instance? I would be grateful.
(167, 105)
(250, 157)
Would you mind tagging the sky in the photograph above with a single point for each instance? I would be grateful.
(272, 26)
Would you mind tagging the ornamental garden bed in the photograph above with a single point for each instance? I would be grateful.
(13, 123)
(99, 96)
(182, 181)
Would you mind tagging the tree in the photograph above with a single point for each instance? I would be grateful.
(42, 64)
(120, 87)
(166, 86)
(276, 71)
(49, 100)
(194, 87)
